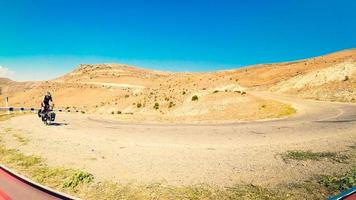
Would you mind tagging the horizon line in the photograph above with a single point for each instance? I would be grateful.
(177, 63)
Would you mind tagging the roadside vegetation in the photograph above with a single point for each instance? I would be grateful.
(309, 155)
(195, 98)
(287, 110)
(22, 140)
(65, 180)
(77, 178)
(339, 183)
(156, 106)
(274, 109)
(4, 116)
(82, 184)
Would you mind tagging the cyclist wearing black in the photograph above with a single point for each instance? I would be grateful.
(45, 104)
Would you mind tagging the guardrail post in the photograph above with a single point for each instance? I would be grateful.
(7, 104)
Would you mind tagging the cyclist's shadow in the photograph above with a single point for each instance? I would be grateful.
(57, 124)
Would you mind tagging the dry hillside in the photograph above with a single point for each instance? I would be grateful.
(142, 94)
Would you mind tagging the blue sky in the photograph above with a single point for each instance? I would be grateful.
(43, 39)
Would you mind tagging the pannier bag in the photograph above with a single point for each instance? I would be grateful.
(53, 116)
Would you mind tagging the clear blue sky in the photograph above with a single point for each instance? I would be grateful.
(53, 36)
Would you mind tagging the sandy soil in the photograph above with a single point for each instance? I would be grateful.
(223, 154)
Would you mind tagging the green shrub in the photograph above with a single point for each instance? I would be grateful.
(308, 155)
(77, 178)
(195, 98)
(156, 106)
(171, 104)
(340, 183)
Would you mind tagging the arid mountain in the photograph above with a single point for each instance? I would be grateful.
(170, 96)
(10, 88)
(333, 81)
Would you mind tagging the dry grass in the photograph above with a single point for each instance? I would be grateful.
(22, 140)
(308, 155)
(287, 110)
(4, 116)
(62, 179)
(315, 156)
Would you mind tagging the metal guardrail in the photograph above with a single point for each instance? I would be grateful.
(12, 109)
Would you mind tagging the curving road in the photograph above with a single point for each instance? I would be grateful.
(222, 154)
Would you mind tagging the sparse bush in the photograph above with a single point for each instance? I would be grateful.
(112, 112)
(77, 178)
(118, 112)
(171, 104)
(344, 182)
(216, 91)
(195, 98)
(127, 96)
(308, 155)
(139, 105)
(156, 106)
(183, 93)
(83, 112)
(243, 93)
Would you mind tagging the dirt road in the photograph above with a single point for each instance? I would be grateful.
(224, 154)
